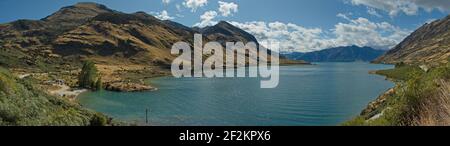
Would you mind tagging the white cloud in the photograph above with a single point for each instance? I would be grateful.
(362, 32)
(359, 31)
(408, 7)
(207, 19)
(373, 12)
(163, 15)
(344, 16)
(227, 9)
(166, 1)
(194, 4)
(290, 36)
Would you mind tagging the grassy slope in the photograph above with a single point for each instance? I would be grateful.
(420, 98)
(21, 103)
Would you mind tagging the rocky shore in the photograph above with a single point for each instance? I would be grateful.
(375, 105)
(128, 87)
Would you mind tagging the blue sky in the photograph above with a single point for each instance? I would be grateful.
(301, 25)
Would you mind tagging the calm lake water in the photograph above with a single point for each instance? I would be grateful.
(322, 94)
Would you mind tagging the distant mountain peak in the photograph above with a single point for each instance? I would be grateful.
(89, 4)
(226, 32)
(223, 23)
(79, 11)
(141, 13)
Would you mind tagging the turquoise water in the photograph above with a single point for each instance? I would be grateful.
(322, 94)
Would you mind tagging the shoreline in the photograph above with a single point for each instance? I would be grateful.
(149, 81)
(67, 92)
(379, 100)
(153, 88)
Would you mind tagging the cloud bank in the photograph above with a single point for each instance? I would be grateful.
(359, 31)
(408, 7)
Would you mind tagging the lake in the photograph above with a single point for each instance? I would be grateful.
(321, 94)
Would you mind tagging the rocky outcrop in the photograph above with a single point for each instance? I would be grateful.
(375, 105)
(128, 87)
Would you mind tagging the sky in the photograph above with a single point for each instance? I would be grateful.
(299, 25)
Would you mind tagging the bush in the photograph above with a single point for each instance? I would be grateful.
(99, 120)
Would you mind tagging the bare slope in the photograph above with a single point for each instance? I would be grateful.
(428, 44)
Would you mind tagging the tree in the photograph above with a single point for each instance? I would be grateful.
(99, 84)
(88, 77)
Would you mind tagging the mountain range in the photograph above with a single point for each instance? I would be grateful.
(338, 54)
(119, 43)
(429, 44)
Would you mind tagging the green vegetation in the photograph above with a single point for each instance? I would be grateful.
(99, 84)
(11, 57)
(22, 103)
(89, 77)
(417, 94)
(15, 58)
(401, 72)
(99, 119)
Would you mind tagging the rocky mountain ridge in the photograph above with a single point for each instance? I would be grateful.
(429, 44)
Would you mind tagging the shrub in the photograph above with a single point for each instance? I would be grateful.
(98, 120)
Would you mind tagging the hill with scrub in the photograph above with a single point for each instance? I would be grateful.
(422, 76)
(429, 44)
(23, 103)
